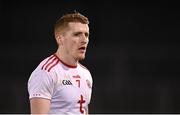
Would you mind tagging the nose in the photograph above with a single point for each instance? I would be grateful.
(85, 39)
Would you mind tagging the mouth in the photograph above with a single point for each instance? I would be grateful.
(82, 49)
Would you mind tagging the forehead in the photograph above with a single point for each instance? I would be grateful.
(77, 26)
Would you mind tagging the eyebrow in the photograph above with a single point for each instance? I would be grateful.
(79, 32)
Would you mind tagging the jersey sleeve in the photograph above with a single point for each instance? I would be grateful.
(90, 79)
(40, 84)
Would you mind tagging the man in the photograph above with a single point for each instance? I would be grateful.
(60, 84)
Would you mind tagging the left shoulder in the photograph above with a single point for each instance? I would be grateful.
(86, 72)
(83, 67)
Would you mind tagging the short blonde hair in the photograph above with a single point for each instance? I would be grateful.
(62, 23)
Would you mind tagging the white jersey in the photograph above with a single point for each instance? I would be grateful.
(67, 87)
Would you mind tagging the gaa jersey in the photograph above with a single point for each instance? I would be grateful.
(67, 87)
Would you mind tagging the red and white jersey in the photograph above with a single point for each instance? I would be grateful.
(67, 87)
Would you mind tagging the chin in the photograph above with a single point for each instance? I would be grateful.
(81, 57)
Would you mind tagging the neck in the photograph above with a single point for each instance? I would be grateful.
(67, 59)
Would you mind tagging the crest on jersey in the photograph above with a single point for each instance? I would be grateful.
(88, 83)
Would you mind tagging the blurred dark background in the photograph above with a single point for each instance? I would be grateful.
(133, 52)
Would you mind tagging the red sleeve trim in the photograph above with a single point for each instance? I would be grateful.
(47, 61)
(50, 63)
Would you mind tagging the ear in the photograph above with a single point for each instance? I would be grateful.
(59, 39)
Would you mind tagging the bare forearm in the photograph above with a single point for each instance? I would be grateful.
(40, 106)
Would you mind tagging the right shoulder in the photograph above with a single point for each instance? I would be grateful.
(48, 63)
(41, 82)
(42, 68)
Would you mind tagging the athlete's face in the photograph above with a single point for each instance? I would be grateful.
(75, 40)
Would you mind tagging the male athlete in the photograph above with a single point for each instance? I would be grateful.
(60, 84)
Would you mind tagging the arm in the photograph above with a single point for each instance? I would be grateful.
(40, 106)
(40, 88)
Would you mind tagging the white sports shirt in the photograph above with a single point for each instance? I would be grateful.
(67, 87)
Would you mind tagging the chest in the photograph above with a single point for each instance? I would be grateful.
(73, 86)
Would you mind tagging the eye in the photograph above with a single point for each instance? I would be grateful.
(87, 35)
(77, 34)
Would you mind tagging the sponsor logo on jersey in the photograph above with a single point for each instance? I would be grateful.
(76, 76)
(66, 82)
